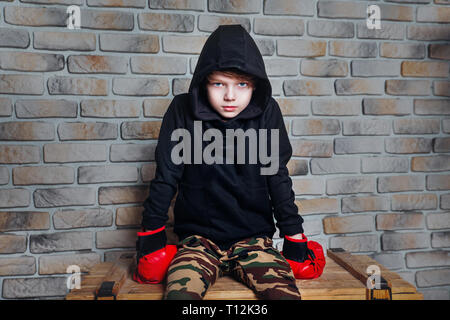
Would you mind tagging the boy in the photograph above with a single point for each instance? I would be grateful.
(224, 209)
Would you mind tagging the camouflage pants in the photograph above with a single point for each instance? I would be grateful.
(199, 263)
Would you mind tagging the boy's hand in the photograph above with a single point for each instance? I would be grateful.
(305, 257)
(153, 256)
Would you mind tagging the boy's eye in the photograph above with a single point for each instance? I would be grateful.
(242, 84)
(217, 84)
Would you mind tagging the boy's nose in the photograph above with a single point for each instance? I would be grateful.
(229, 94)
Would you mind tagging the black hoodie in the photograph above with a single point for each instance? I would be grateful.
(223, 202)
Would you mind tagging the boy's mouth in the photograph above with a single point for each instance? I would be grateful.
(229, 108)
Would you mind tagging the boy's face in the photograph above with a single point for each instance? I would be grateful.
(228, 95)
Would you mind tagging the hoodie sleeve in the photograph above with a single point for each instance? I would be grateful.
(280, 184)
(164, 186)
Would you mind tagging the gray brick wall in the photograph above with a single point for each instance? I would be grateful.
(367, 111)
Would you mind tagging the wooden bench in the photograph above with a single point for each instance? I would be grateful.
(344, 278)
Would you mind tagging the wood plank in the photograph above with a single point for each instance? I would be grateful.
(117, 276)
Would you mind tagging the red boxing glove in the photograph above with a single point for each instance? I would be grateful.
(305, 257)
(153, 256)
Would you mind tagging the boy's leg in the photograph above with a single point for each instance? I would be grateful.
(193, 270)
(264, 269)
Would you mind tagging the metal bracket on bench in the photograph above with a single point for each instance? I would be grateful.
(106, 290)
(384, 286)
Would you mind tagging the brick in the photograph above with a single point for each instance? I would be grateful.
(423, 259)
(183, 44)
(438, 220)
(366, 127)
(438, 182)
(335, 107)
(444, 200)
(396, 12)
(136, 43)
(117, 3)
(439, 51)
(14, 38)
(141, 130)
(387, 106)
(391, 261)
(118, 195)
(19, 154)
(441, 88)
(166, 22)
(404, 241)
(34, 287)
(209, 23)
(358, 145)
(132, 152)
(281, 67)
(432, 278)
(196, 5)
(31, 61)
(5, 107)
(430, 163)
(77, 86)
(265, 46)
(43, 175)
(108, 173)
(87, 131)
(341, 9)
(335, 165)
(102, 108)
(315, 127)
(362, 243)
(348, 185)
(11, 243)
(347, 224)
(156, 107)
(279, 27)
(402, 50)
(324, 68)
(129, 216)
(389, 31)
(4, 175)
(301, 48)
(433, 14)
(308, 87)
(74, 41)
(416, 126)
(308, 186)
(330, 29)
(21, 84)
(408, 87)
(311, 148)
(424, 69)
(58, 264)
(27, 130)
(180, 85)
(384, 164)
(297, 167)
(141, 86)
(428, 32)
(74, 152)
(15, 266)
(359, 86)
(97, 64)
(446, 125)
(60, 241)
(317, 206)
(287, 7)
(116, 239)
(291, 107)
(408, 145)
(353, 49)
(82, 218)
(10, 198)
(414, 201)
(441, 144)
(252, 6)
(158, 65)
(35, 17)
(148, 172)
(23, 220)
(364, 204)
(400, 221)
(363, 68)
(432, 106)
(440, 239)
(61, 197)
(107, 20)
(400, 183)
(46, 108)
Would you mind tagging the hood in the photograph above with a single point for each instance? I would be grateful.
(229, 46)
